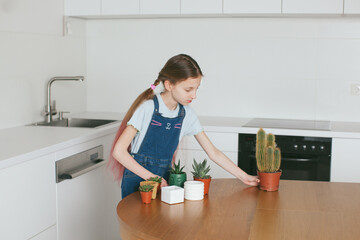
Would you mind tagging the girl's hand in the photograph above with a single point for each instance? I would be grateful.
(163, 183)
(251, 180)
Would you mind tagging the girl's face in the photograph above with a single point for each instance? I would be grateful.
(185, 91)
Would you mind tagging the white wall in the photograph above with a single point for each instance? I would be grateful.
(254, 67)
(33, 50)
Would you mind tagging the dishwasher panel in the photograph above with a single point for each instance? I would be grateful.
(81, 196)
(78, 164)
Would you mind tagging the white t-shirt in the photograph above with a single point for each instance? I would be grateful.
(143, 114)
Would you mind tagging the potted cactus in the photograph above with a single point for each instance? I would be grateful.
(200, 174)
(146, 193)
(177, 175)
(268, 160)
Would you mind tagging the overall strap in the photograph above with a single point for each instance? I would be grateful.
(181, 111)
(156, 104)
(156, 107)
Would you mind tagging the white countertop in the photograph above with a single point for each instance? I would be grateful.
(19, 144)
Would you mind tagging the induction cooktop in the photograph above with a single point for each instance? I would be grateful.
(289, 124)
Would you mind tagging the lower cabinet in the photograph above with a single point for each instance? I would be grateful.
(28, 199)
(345, 158)
(186, 158)
(86, 205)
(33, 206)
(190, 149)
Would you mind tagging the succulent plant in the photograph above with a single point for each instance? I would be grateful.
(155, 179)
(201, 169)
(146, 188)
(176, 169)
(268, 156)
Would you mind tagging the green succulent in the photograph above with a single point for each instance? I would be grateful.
(176, 169)
(155, 179)
(201, 169)
(146, 188)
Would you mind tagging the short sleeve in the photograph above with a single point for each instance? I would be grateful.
(191, 124)
(139, 119)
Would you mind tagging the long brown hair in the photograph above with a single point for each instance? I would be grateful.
(176, 69)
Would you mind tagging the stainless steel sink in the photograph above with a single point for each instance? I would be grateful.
(76, 122)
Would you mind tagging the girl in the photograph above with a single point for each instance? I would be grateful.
(154, 125)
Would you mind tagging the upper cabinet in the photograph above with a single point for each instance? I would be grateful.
(36, 16)
(352, 6)
(120, 7)
(201, 6)
(159, 6)
(82, 7)
(178, 8)
(313, 6)
(252, 6)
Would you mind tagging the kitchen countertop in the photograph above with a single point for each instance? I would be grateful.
(19, 144)
(232, 210)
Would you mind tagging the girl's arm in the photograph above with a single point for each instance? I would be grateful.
(122, 155)
(223, 161)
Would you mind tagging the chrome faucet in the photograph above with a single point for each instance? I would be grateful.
(50, 110)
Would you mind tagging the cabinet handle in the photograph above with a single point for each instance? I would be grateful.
(82, 170)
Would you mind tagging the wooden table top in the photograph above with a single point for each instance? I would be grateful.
(232, 210)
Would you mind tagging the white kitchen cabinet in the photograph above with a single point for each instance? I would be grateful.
(30, 17)
(186, 159)
(28, 198)
(120, 7)
(159, 6)
(189, 149)
(313, 6)
(345, 162)
(223, 141)
(252, 6)
(351, 6)
(82, 7)
(201, 6)
(86, 205)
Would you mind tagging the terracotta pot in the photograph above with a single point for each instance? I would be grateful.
(152, 183)
(177, 179)
(146, 197)
(206, 182)
(269, 181)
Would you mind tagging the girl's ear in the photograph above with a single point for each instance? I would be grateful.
(167, 85)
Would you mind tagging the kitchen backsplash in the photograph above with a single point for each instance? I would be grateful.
(298, 68)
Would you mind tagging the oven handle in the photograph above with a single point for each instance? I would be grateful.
(82, 170)
(299, 159)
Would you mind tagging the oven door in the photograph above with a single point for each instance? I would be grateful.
(310, 168)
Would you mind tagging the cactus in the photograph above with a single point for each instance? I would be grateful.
(269, 162)
(268, 156)
(260, 149)
(277, 159)
(270, 140)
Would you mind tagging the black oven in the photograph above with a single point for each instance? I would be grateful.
(302, 158)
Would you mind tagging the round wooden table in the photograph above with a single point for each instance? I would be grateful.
(299, 210)
(226, 213)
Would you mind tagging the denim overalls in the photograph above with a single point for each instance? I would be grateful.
(157, 148)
